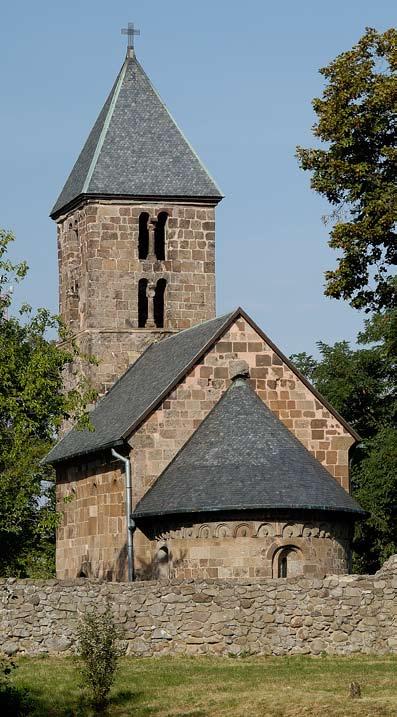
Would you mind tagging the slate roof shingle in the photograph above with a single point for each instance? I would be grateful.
(136, 149)
(242, 457)
(147, 381)
(138, 389)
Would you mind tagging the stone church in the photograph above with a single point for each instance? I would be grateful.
(211, 455)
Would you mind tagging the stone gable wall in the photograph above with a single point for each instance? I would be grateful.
(336, 615)
(160, 437)
(167, 429)
(99, 270)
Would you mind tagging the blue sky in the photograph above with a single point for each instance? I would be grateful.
(239, 79)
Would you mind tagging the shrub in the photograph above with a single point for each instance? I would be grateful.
(14, 701)
(99, 651)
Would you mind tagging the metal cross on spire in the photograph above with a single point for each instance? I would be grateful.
(131, 32)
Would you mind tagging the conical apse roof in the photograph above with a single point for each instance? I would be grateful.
(135, 149)
(242, 457)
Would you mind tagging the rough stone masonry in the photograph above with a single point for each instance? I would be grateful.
(337, 615)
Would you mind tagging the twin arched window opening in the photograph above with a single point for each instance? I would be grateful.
(151, 303)
(151, 237)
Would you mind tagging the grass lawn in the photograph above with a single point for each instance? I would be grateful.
(219, 686)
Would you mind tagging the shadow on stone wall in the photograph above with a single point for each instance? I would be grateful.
(117, 572)
(161, 567)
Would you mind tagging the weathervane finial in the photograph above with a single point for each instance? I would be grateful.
(130, 31)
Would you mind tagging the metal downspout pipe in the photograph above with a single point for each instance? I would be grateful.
(128, 508)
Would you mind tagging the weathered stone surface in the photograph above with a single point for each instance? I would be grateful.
(281, 616)
(91, 538)
(99, 271)
(10, 648)
(161, 634)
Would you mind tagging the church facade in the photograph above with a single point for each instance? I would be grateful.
(211, 455)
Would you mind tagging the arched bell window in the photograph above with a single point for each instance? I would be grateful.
(143, 236)
(158, 303)
(142, 303)
(160, 236)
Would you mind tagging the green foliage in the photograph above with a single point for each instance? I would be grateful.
(362, 385)
(33, 406)
(99, 653)
(357, 169)
(14, 701)
(374, 483)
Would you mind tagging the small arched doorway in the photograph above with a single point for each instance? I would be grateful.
(288, 562)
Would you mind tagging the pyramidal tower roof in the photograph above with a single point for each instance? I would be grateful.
(136, 149)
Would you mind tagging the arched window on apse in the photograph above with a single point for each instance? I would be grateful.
(158, 303)
(143, 236)
(159, 236)
(289, 562)
(162, 559)
(142, 303)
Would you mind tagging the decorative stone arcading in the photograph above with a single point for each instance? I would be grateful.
(337, 615)
(254, 529)
(249, 547)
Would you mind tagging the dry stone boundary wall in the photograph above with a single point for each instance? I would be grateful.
(337, 615)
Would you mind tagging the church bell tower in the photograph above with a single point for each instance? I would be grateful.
(136, 229)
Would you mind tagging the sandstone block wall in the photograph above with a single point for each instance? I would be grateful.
(159, 438)
(250, 547)
(337, 615)
(99, 270)
(91, 537)
(166, 430)
(162, 435)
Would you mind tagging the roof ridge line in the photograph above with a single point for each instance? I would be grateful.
(202, 165)
(132, 365)
(300, 375)
(157, 343)
(227, 318)
(105, 128)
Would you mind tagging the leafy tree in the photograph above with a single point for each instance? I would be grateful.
(357, 169)
(374, 483)
(362, 385)
(33, 406)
